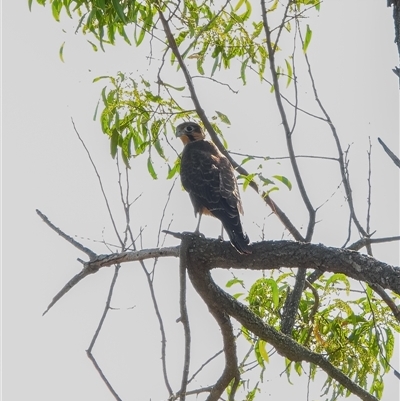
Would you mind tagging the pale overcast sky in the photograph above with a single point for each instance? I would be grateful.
(46, 168)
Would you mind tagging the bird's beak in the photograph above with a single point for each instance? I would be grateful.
(178, 132)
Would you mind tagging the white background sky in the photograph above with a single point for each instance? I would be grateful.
(45, 167)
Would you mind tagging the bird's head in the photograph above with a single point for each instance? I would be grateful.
(189, 132)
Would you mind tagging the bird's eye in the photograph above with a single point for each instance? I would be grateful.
(189, 128)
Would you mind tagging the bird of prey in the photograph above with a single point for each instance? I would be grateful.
(208, 177)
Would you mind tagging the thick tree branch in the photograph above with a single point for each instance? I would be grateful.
(212, 294)
(266, 255)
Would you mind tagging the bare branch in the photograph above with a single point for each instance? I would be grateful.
(395, 159)
(100, 183)
(75, 243)
(356, 246)
(97, 332)
(285, 123)
(342, 164)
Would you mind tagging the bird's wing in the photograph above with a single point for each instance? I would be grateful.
(208, 176)
(228, 184)
(200, 175)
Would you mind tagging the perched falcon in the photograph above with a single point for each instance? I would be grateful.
(209, 178)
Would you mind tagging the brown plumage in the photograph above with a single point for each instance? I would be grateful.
(208, 177)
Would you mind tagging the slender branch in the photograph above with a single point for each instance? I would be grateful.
(395, 159)
(217, 82)
(103, 377)
(356, 246)
(285, 123)
(61, 233)
(159, 318)
(97, 332)
(115, 258)
(335, 135)
(100, 183)
(369, 186)
(283, 157)
(205, 364)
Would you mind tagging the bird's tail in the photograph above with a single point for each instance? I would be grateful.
(233, 226)
(240, 241)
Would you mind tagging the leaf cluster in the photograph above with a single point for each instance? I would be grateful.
(357, 335)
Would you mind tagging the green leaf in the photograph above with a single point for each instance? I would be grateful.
(298, 368)
(247, 179)
(338, 277)
(274, 6)
(56, 7)
(102, 77)
(94, 47)
(289, 73)
(235, 280)
(177, 88)
(307, 39)
(262, 349)
(119, 10)
(223, 117)
(200, 65)
(175, 169)
(147, 21)
(246, 159)
(238, 5)
(283, 180)
(216, 62)
(243, 70)
(150, 168)
(30, 5)
(114, 143)
(61, 51)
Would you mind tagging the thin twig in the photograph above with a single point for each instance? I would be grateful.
(100, 183)
(342, 163)
(285, 123)
(97, 332)
(61, 233)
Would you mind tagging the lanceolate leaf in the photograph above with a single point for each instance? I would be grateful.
(150, 168)
(224, 118)
(119, 10)
(284, 180)
(61, 52)
(307, 39)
